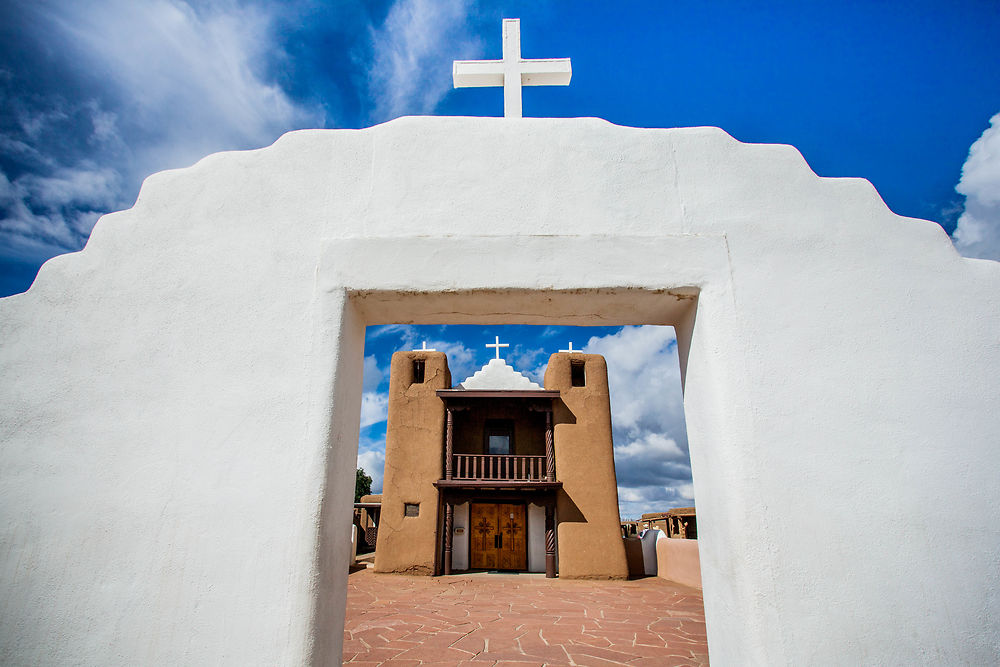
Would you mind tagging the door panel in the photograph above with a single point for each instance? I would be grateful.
(482, 542)
(498, 538)
(513, 555)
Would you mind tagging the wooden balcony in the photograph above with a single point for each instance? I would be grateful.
(498, 467)
(534, 473)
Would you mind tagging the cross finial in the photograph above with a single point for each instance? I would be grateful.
(512, 72)
(424, 348)
(571, 350)
(497, 345)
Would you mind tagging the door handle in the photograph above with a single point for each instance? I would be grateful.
(498, 541)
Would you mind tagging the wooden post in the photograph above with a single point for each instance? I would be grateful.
(550, 540)
(449, 511)
(448, 445)
(550, 453)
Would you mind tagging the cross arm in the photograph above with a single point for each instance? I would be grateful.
(546, 72)
(477, 73)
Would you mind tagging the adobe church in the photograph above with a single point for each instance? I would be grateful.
(499, 473)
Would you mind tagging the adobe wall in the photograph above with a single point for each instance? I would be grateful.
(589, 532)
(414, 453)
(677, 560)
(179, 410)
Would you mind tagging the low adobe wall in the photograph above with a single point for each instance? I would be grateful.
(677, 560)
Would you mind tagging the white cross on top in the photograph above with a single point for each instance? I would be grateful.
(424, 348)
(571, 350)
(512, 72)
(497, 345)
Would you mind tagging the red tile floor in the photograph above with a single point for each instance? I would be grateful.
(521, 619)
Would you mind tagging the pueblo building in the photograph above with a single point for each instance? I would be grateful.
(499, 473)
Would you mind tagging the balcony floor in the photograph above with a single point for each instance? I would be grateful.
(474, 485)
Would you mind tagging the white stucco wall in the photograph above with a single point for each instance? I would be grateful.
(179, 411)
(649, 539)
(460, 543)
(536, 538)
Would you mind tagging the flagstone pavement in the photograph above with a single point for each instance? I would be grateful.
(521, 619)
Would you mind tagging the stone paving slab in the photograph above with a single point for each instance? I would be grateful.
(521, 619)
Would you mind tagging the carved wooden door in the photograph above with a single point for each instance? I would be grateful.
(483, 542)
(498, 539)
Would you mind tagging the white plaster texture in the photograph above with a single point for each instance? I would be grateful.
(180, 400)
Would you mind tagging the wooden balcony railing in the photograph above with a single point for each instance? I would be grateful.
(491, 467)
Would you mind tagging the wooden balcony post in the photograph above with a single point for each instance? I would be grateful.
(550, 540)
(449, 422)
(550, 454)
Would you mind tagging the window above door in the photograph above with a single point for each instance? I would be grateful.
(499, 437)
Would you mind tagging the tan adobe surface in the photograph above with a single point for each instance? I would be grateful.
(590, 543)
(414, 449)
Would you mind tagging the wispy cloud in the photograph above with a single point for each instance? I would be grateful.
(410, 71)
(133, 88)
(978, 230)
(374, 408)
(373, 374)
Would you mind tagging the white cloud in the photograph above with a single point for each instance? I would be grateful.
(644, 377)
(461, 360)
(407, 333)
(373, 375)
(978, 230)
(410, 71)
(529, 361)
(85, 185)
(374, 408)
(165, 82)
(651, 445)
(373, 463)
(189, 74)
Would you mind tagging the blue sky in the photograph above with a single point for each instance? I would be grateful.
(98, 94)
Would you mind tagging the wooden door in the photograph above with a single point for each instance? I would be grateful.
(513, 554)
(483, 542)
(498, 539)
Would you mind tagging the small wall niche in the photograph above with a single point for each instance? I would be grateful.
(411, 509)
(577, 373)
(418, 371)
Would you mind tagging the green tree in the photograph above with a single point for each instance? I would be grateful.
(363, 485)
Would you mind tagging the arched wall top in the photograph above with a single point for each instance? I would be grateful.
(419, 176)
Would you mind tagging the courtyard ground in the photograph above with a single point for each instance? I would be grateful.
(521, 619)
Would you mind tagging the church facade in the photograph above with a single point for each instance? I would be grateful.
(499, 473)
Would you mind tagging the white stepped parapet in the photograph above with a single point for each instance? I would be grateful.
(497, 375)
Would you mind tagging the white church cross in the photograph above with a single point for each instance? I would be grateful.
(512, 72)
(424, 348)
(571, 350)
(497, 345)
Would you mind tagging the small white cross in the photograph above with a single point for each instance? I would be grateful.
(424, 348)
(571, 350)
(497, 345)
(512, 72)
